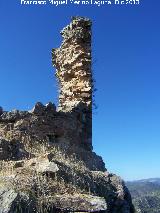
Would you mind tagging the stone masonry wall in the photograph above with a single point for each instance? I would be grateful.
(71, 124)
(73, 70)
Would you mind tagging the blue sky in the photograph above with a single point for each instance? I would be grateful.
(126, 65)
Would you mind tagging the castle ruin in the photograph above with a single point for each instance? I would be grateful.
(46, 159)
(73, 70)
(71, 123)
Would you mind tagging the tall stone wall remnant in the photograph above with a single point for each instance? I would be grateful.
(73, 70)
(46, 158)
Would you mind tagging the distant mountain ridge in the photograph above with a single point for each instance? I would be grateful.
(145, 194)
(151, 180)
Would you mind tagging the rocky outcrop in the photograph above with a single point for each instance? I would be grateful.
(81, 203)
(57, 182)
(44, 168)
(13, 115)
(12, 150)
(47, 164)
(14, 202)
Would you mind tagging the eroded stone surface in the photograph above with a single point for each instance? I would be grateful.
(81, 203)
(43, 165)
(73, 65)
(15, 202)
(73, 70)
(46, 155)
(7, 197)
(12, 150)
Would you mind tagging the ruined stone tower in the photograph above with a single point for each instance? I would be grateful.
(73, 70)
(46, 158)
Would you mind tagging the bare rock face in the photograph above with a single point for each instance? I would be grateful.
(44, 166)
(81, 203)
(46, 160)
(40, 109)
(12, 150)
(14, 202)
(13, 115)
